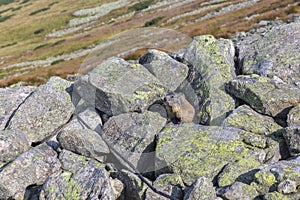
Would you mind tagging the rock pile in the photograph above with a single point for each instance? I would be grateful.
(68, 140)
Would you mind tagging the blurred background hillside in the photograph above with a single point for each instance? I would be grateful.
(42, 38)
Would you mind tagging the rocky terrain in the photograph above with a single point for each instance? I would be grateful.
(40, 39)
(110, 134)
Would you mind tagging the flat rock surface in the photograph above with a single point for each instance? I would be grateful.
(265, 95)
(47, 109)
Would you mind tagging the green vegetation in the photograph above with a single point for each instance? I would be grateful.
(153, 21)
(57, 61)
(39, 31)
(40, 46)
(25, 1)
(53, 3)
(58, 42)
(8, 45)
(4, 18)
(141, 5)
(3, 11)
(40, 10)
(17, 8)
(5, 2)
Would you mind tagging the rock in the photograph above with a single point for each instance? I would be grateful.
(275, 196)
(47, 109)
(89, 115)
(292, 139)
(213, 63)
(116, 87)
(202, 188)
(133, 135)
(89, 181)
(237, 191)
(10, 99)
(167, 183)
(293, 119)
(264, 95)
(247, 119)
(273, 53)
(192, 151)
(12, 143)
(84, 142)
(276, 176)
(287, 187)
(170, 72)
(30, 168)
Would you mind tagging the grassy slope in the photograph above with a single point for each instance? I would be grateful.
(23, 35)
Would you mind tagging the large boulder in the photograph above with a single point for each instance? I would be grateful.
(274, 52)
(247, 119)
(133, 135)
(292, 139)
(12, 143)
(213, 66)
(202, 188)
(81, 179)
(191, 151)
(117, 86)
(46, 110)
(265, 95)
(237, 191)
(170, 72)
(30, 168)
(10, 99)
(84, 142)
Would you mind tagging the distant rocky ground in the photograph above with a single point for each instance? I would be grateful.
(68, 139)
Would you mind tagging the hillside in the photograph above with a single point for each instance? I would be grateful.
(40, 39)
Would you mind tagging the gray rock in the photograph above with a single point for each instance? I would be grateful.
(237, 191)
(84, 142)
(30, 168)
(10, 99)
(89, 181)
(170, 72)
(213, 62)
(264, 95)
(202, 188)
(276, 52)
(167, 183)
(247, 119)
(293, 119)
(47, 109)
(287, 187)
(292, 139)
(12, 143)
(133, 135)
(273, 176)
(116, 87)
(192, 151)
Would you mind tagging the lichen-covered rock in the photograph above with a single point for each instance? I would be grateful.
(47, 109)
(202, 188)
(12, 143)
(170, 72)
(274, 53)
(292, 139)
(237, 191)
(213, 63)
(266, 96)
(10, 99)
(247, 119)
(89, 181)
(84, 142)
(170, 184)
(191, 151)
(117, 86)
(30, 168)
(274, 176)
(133, 135)
(293, 119)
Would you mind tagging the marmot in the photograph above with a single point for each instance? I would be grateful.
(178, 107)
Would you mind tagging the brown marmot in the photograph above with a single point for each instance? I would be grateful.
(177, 106)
